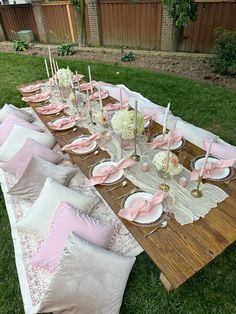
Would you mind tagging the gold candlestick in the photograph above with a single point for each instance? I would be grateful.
(135, 156)
(196, 192)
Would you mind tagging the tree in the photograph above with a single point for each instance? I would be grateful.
(80, 7)
(182, 13)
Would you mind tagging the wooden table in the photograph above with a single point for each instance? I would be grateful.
(178, 251)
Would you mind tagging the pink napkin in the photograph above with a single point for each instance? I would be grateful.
(95, 96)
(84, 143)
(77, 77)
(176, 137)
(36, 97)
(212, 168)
(28, 89)
(110, 170)
(142, 207)
(114, 107)
(50, 107)
(63, 122)
(85, 86)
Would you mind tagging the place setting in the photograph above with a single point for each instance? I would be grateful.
(29, 89)
(63, 123)
(83, 145)
(37, 98)
(51, 109)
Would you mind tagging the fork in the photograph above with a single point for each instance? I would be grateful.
(227, 182)
(125, 194)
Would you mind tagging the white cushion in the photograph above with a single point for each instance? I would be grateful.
(89, 280)
(28, 187)
(17, 138)
(9, 109)
(39, 217)
(194, 134)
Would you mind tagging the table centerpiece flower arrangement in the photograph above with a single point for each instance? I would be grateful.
(123, 124)
(65, 77)
(168, 166)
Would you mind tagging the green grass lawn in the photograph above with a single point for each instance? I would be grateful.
(212, 290)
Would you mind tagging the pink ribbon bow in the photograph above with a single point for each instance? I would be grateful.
(142, 207)
(175, 138)
(36, 97)
(117, 106)
(63, 122)
(212, 168)
(86, 86)
(110, 170)
(83, 143)
(95, 96)
(50, 107)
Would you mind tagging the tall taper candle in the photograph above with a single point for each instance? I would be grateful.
(135, 116)
(88, 100)
(165, 119)
(205, 159)
(121, 99)
(77, 77)
(90, 78)
(57, 67)
(168, 151)
(100, 98)
(50, 61)
(46, 66)
(54, 67)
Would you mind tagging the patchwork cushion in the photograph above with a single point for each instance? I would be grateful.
(17, 138)
(66, 220)
(8, 109)
(8, 124)
(29, 187)
(18, 163)
(39, 217)
(89, 279)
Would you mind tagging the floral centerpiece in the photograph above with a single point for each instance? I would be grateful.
(174, 167)
(64, 77)
(123, 123)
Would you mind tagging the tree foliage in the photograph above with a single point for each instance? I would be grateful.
(182, 11)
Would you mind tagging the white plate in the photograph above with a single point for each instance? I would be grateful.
(147, 123)
(173, 146)
(84, 150)
(29, 99)
(223, 174)
(154, 214)
(64, 127)
(52, 111)
(30, 89)
(112, 178)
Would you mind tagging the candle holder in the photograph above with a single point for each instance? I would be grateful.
(135, 156)
(164, 175)
(91, 117)
(197, 193)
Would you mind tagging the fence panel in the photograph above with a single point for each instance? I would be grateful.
(133, 25)
(61, 22)
(17, 17)
(199, 36)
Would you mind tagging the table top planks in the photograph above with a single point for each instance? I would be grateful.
(178, 251)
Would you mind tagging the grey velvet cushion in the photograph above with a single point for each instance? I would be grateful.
(32, 181)
(88, 280)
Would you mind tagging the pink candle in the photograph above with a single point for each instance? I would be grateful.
(89, 104)
(205, 159)
(168, 151)
(121, 99)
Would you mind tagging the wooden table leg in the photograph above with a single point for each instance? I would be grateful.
(166, 283)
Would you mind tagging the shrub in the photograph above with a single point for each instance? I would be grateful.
(65, 50)
(224, 59)
(128, 57)
(20, 45)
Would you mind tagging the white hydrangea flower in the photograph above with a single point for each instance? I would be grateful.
(64, 77)
(123, 123)
(174, 167)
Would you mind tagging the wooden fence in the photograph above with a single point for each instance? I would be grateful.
(199, 36)
(122, 23)
(14, 18)
(61, 22)
(133, 25)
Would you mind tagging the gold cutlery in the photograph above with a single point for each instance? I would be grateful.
(123, 183)
(228, 182)
(161, 226)
(125, 194)
(93, 154)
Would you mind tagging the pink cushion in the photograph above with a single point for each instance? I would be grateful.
(18, 163)
(222, 151)
(66, 220)
(8, 124)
